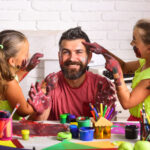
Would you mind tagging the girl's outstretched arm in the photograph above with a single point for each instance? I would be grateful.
(14, 95)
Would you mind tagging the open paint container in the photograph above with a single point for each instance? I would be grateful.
(131, 132)
(5, 128)
(83, 122)
(86, 133)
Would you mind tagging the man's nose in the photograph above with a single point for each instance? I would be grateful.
(73, 56)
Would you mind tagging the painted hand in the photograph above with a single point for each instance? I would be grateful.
(113, 65)
(34, 61)
(106, 92)
(51, 81)
(96, 48)
(38, 100)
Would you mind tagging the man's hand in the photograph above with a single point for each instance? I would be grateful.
(106, 92)
(51, 81)
(34, 61)
(96, 48)
(38, 100)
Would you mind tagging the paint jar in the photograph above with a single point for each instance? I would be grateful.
(71, 118)
(74, 123)
(86, 133)
(67, 116)
(83, 122)
(74, 131)
(25, 134)
(131, 132)
(63, 118)
(5, 128)
(102, 132)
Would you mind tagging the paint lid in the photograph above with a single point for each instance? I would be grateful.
(64, 135)
(25, 131)
(63, 116)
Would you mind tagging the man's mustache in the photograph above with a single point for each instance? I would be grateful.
(67, 63)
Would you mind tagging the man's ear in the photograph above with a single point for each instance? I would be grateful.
(11, 61)
(59, 54)
(89, 57)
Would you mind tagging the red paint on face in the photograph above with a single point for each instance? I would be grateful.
(137, 52)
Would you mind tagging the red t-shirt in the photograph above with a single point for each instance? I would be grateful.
(65, 99)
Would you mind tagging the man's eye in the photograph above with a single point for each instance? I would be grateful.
(65, 52)
(79, 52)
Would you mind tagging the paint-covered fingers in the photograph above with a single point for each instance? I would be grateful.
(34, 61)
(51, 81)
(106, 92)
(113, 65)
(94, 47)
(39, 102)
(32, 90)
(23, 65)
(106, 85)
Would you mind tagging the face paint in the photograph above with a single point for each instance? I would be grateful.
(83, 59)
(137, 52)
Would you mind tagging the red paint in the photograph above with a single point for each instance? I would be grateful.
(38, 129)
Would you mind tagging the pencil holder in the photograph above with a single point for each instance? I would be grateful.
(102, 129)
(103, 132)
(5, 128)
(145, 132)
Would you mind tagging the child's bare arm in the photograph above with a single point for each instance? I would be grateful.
(15, 95)
(40, 117)
(138, 94)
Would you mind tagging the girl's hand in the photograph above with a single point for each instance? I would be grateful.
(96, 48)
(113, 65)
(34, 61)
(38, 100)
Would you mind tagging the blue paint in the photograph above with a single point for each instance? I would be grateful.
(86, 133)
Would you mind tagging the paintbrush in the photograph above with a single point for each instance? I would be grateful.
(16, 107)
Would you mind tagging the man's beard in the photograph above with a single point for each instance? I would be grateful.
(73, 74)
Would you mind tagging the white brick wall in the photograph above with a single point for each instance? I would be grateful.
(108, 22)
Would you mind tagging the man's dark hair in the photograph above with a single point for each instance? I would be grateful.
(73, 34)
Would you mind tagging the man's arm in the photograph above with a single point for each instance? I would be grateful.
(40, 117)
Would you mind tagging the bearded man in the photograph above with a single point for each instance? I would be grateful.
(74, 87)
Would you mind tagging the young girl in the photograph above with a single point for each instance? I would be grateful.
(140, 93)
(14, 53)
